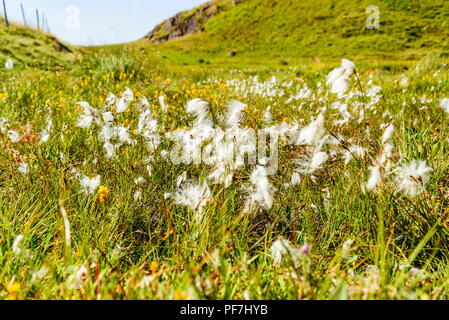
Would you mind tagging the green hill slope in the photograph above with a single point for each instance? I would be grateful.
(31, 48)
(288, 29)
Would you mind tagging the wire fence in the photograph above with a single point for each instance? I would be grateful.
(41, 22)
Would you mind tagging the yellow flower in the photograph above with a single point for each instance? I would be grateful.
(154, 267)
(12, 288)
(102, 193)
(179, 295)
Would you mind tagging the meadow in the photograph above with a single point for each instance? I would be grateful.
(93, 207)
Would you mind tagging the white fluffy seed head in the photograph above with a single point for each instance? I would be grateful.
(412, 178)
(318, 159)
(375, 178)
(388, 134)
(90, 185)
(312, 133)
(444, 103)
(236, 113)
(198, 109)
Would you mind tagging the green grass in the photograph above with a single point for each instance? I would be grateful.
(275, 31)
(32, 49)
(151, 248)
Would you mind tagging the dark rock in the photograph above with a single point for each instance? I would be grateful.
(183, 24)
(232, 53)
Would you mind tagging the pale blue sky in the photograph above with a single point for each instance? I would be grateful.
(100, 21)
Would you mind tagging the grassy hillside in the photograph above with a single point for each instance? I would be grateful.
(80, 220)
(31, 48)
(285, 30)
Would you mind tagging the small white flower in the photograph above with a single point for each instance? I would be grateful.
(23, 168)
(281, 249)
(39, 274)
(13, 136)
(4, 125)
(444, 103)
(16, 246)
(139, 180)
(81, 274)
(347, 247)
(138, 196)
(404, 81)
(45, 135)
(162, 103)
(296, 179)
(9, 64)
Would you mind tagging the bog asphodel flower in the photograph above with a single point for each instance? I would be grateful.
(179, 295)
(12, 288)
(102, 193)
(154, 266)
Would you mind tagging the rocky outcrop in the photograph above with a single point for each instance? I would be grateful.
(184, 23)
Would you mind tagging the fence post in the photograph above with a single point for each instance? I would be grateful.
(23, 14)
(37, 19)
(6, 15)
(43, 21)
